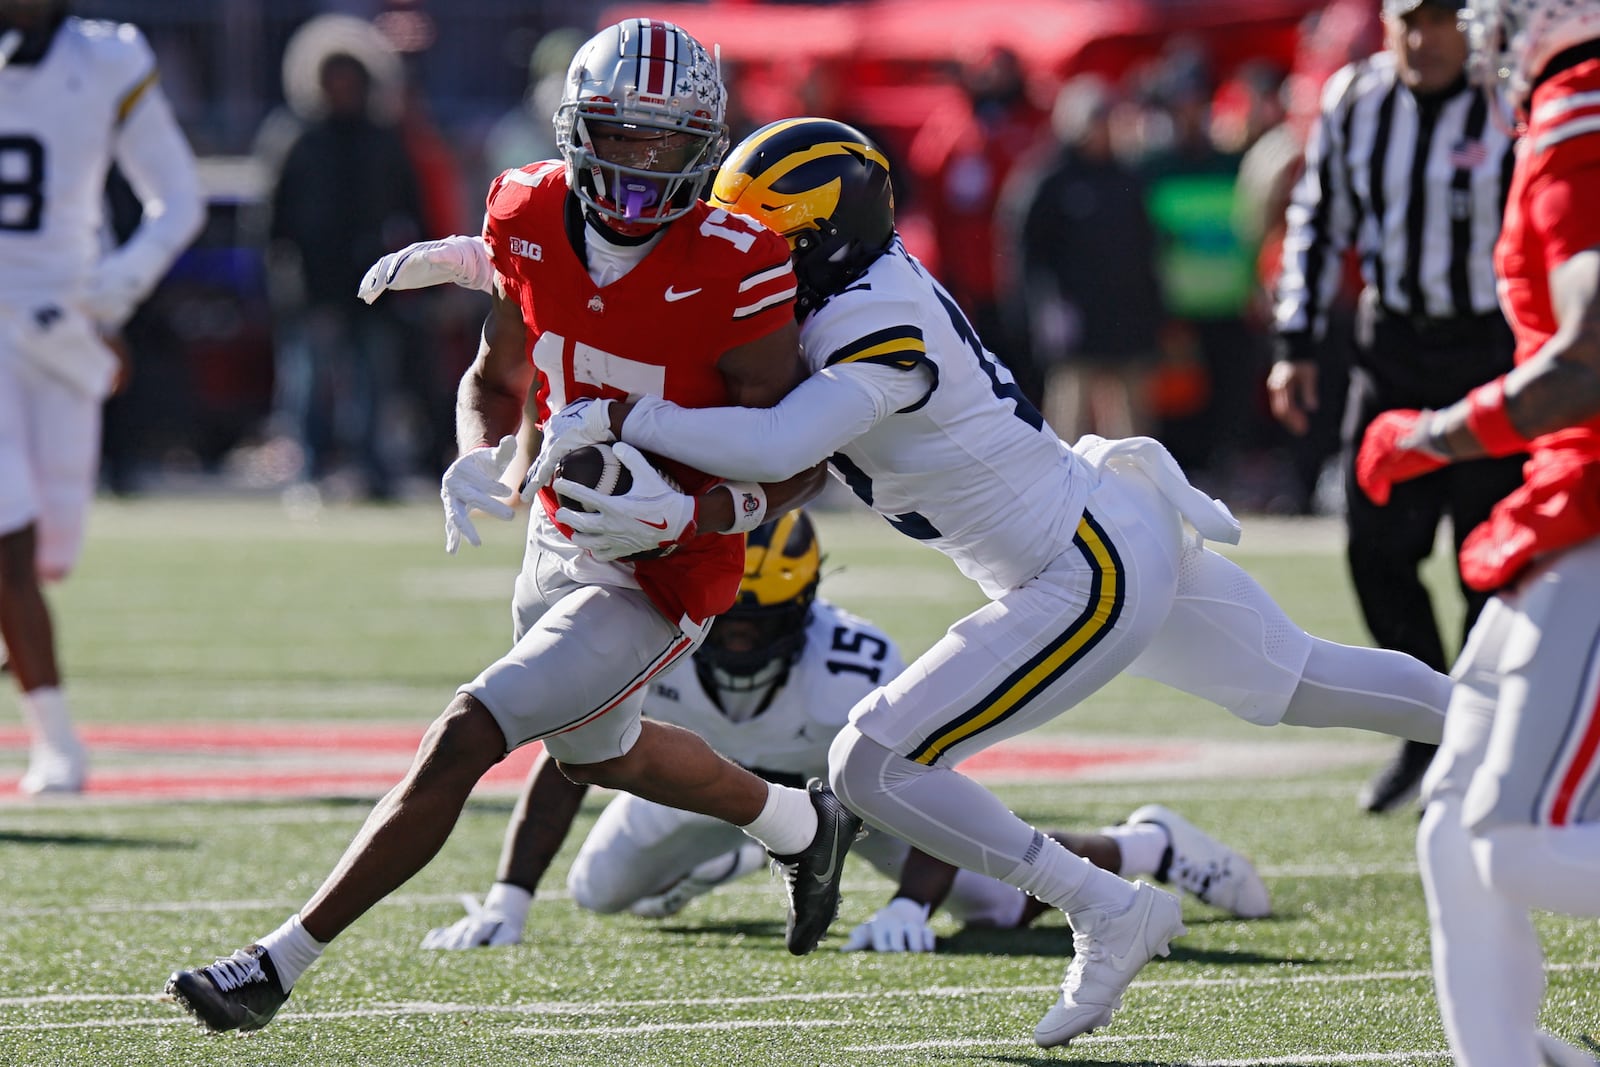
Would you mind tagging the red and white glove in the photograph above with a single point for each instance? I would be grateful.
(1394, 449)
(653, 513)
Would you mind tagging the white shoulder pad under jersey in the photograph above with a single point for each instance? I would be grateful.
(59, 120)
(845, 658)
(972, 469)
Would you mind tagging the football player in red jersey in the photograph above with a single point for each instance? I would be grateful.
(1513, 799)
(613, 279)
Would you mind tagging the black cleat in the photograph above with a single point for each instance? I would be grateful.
(813, 874)
(1398, 782)
(238, 992)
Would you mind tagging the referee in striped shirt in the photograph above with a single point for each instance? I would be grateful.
(1407, 166)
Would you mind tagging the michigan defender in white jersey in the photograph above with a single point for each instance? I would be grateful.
(1082, 550)
(75, 96)
(770, 689)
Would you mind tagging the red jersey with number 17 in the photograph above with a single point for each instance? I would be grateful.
(713, 281)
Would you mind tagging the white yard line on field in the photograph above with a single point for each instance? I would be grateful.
(1333, 1057)
(80, 813)
(548, 1008)
(664, 1028)
(1005, 1042)
(743, 889)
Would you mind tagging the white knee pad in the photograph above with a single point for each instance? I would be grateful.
(584, 889)
(860, 769)
(842, 773)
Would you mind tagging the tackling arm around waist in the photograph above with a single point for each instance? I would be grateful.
(824, 413)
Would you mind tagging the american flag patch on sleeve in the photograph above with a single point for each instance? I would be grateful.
(1467, 155)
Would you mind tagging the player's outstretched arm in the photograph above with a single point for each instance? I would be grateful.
(459, 259)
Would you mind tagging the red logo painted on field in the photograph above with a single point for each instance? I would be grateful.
(173, 761)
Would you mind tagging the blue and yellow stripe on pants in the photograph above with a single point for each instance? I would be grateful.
(1106, 592)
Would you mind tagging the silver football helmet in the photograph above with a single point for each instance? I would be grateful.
(1512, 40)
(641, 122)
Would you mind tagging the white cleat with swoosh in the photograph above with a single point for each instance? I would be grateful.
(1107, 951)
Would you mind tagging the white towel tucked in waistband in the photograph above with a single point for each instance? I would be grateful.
(61, 341)
(1210, 517)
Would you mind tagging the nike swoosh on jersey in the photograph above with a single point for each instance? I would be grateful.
(673, 295)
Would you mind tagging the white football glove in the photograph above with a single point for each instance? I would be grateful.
(899, 926)
(652, 514)
(473, 481)
(459, 259)
(112, 291)
(479, 928)
(582, 422)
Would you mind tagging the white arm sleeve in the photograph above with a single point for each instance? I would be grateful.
(825, 412)
(160, 167)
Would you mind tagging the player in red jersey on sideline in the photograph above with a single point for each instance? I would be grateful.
(614, 280)
(1513, 799)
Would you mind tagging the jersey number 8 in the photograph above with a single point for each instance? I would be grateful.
(21, 183)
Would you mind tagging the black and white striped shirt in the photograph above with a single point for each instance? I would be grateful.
(1417, 186)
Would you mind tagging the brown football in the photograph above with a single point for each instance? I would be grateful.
(597, 467)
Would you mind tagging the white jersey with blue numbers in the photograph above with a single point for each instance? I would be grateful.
(60, 123)
(844, 658)
(972, 469)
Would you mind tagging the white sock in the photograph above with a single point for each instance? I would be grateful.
(1487, 968)
(787, 822)
(509, 901)
(1143, 845)
(292, 951)
(1067, 881)
(45, 709)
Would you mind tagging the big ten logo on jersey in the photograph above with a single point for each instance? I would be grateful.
(666, 692)
(857, 652)
(526, 249)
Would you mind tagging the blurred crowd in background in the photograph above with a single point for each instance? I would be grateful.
(1100, 183)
